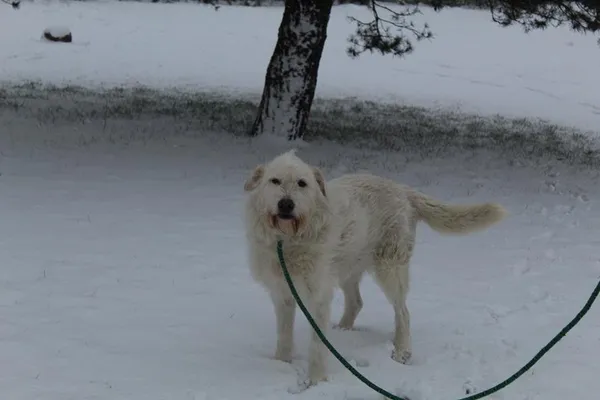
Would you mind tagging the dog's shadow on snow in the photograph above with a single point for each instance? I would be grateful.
(360, 346)
(358, 337)
(353, 344)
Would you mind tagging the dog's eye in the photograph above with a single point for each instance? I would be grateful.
(302, 183)
(275, 181)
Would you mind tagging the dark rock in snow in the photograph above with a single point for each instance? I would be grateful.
(58, 34)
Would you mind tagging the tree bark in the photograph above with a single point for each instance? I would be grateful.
(291, 77)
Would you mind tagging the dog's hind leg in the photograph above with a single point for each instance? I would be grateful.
(391, 269)
(353, 302)
(393, 279)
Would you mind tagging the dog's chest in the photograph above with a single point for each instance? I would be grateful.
(300, 261)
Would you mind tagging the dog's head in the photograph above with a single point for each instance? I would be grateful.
(287, 194)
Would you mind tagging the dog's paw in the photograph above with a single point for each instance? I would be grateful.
(402, 356)
(305, 384)
(343, 327)
(285, 357)
(360, 362)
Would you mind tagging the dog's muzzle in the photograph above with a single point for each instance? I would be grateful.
(286, 220)
(285, 208)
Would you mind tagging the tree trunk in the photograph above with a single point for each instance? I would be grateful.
(291, 76)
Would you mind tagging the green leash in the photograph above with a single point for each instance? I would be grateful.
(391, 396)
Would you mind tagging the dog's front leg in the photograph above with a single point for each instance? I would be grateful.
(320, 309)
(285, 311)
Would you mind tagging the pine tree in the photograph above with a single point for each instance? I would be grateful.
(291, 76)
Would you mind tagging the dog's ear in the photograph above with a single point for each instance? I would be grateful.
(254, 179)
(320, 180)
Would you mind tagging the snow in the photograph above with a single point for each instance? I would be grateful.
(123, 272)
(472, 63)
(57, 31)
(124, 276)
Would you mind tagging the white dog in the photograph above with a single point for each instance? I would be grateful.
(332, 233)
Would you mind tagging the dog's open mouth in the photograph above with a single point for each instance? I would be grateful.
(287, 223)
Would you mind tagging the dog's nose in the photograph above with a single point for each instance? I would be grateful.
(285, 206)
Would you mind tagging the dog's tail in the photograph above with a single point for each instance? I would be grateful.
(457, 219)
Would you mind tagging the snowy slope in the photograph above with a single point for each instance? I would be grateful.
(123, 276)
(472, 63)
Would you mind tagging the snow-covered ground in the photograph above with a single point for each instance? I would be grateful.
(123, 276)
(472, 63)
(122, 267)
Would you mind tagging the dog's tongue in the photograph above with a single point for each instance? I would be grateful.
(288, 226)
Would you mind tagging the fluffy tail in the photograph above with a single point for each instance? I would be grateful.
(446, 218)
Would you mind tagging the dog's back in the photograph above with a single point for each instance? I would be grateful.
(377, 216)
(369, 213)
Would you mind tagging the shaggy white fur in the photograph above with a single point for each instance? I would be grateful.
(332, 234)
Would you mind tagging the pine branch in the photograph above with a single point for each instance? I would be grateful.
(581, 16)
(14, 3)
(386, 34)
